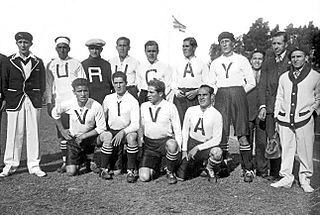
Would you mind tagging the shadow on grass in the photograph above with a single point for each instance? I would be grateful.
(48, 163)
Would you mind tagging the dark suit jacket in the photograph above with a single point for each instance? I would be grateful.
(270, 73)
(3, 58)
(15, 85)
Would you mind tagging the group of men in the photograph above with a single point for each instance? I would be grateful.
(148, 117)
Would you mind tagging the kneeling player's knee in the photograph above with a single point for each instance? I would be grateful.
(243, 141)
(172, 146)
(144, 175)
(132, 139)
(105, 139)
(215, 154)
(71, 170)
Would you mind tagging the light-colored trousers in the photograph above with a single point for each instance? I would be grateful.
(26, 119)
(299, 142)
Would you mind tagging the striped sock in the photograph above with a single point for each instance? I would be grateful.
(106, 152)
(132, 152)
(172, 159)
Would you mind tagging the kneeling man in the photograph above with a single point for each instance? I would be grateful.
(87, 125)
(160, 125)
(201, 134)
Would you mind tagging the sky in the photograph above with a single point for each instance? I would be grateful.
(142, 20)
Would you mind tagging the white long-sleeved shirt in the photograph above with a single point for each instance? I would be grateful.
(129, 66)
(203, 126)
(160, 121)
(82, 119)
(190, 73)
(158, 70)
(234, 70)
(122, 112)
(60, 74)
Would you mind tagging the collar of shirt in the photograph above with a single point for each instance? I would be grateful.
(189, 59)
(17, 55)
(280, 58)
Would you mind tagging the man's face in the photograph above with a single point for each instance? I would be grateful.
(226, 46)
(82, 94)
(153, 96)
(62, 50)
(278, 45)
(298, 59)
(95, 51)
(188, 50)
(123, 48)
(151, 53)
(256, 60)
(204, 97)
(24, 46)
(119, 85)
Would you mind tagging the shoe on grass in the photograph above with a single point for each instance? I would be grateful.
(105, 174)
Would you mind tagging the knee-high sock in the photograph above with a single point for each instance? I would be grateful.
(63, 148)
(132, 153)
(106, 153)
(172, 159)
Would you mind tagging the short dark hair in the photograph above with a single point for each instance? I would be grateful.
(119, 74)
(124, 38)
(79, 82)
(281, 33)
(257, 51)
(158, 85)
(192, 41)
(211, 90)
(151, 43)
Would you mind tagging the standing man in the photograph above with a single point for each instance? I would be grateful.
(272, 68)
(87, 125)
(297, 100)
(61, 72)
(98, 71)
(126, 64)
(233, 77)
(23, 84)
(257, 133)
(201, 135)
(122, 114)
(151, 69)
(189, 75)
(3, 58)
(161, 131)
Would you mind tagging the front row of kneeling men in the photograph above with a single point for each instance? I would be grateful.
(155, 130)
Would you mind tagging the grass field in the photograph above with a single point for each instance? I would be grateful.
(22, 193)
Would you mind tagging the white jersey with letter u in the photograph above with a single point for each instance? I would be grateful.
(60, 74)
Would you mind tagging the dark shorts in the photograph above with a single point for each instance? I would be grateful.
(232, 103)
(65, 124)
(184, 103)
(118, 158)
(77, 154)
(154, 151)
(193, 167)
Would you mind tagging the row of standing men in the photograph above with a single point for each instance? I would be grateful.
(230, 75)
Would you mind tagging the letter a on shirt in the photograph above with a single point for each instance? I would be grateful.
(199, 127)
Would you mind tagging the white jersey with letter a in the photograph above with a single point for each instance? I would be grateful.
(203, 126)
(191, 73)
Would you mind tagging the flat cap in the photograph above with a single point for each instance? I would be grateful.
(225, 35)
(95, 42)
(305, 49)
(23, 35)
